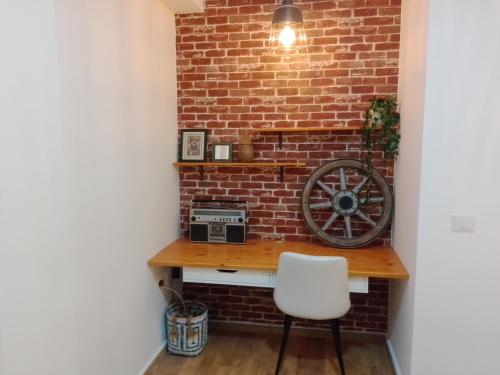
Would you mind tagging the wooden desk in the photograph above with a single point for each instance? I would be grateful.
(372, 261)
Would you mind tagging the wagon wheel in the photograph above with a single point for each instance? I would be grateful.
(345, 205)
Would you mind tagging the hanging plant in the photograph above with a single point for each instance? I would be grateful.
(379, 132)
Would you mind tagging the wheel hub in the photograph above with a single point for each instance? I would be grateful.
(345, 203)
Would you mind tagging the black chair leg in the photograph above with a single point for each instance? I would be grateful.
(284, 341)
(336, 339)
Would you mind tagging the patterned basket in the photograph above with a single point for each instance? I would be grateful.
(187, 336)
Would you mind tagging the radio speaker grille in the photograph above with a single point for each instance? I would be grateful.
(235, 233)
(198, 232)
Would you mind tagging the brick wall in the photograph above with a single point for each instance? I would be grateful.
(227, 81)
(255, 305)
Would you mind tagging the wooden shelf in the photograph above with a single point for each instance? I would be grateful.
(202, 165)
(310, 129)
(236, 164)
(280, 131)
(371, 261)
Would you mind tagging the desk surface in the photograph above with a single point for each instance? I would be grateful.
(374, 261)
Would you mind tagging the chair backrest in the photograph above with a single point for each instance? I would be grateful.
(312, 287)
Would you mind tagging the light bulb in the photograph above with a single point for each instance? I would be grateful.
(287, 36)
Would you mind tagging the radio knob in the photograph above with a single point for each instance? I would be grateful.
(240, 220)
(193, 218)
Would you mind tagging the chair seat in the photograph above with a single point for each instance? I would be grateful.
(317, 312)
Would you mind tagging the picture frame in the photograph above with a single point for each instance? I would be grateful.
(222, 152)
(193, 145)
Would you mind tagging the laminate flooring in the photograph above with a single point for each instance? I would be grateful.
(255, 353)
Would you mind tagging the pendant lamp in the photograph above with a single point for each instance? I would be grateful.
(287, 31)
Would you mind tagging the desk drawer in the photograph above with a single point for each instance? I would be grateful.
(263, 279)
(358, 284)
(228, 277)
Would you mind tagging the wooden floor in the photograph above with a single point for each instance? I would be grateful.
(247, 353)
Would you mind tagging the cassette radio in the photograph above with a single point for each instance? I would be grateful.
(211, 222)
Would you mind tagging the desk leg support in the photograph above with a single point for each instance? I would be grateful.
(282, 174)
(201, 171)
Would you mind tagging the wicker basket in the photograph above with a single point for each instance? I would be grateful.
(187, 336)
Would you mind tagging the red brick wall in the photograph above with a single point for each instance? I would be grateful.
(227, 81)
(255, 305)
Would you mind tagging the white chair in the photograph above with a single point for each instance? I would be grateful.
(312, 287)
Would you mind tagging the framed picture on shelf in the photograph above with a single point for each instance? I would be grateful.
(222, 152)
(193, 145)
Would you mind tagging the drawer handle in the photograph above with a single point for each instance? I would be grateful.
(228, 271)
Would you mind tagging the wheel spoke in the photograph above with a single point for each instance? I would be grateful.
(321, 205)
(348, 230)
(343, 183)
(372, 200)
(358, 187)
(365, 217)
(330, 221)
(326, 188)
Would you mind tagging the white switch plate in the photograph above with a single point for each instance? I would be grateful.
(463, 223)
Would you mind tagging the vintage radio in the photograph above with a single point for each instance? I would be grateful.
(215, 222)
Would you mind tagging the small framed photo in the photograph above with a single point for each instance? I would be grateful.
(222, 152)
(193, 145)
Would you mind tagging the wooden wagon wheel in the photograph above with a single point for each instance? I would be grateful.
(345, 205)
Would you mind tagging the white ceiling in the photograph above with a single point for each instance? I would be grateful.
(184, 6)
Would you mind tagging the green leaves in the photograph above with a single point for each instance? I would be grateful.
(379, 132)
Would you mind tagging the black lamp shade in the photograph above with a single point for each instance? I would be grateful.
(287, 13)
(287, 31)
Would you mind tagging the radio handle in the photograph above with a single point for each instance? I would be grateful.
(227, 271)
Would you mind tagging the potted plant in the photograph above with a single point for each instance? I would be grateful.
(379, 131)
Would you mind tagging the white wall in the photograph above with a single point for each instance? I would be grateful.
(87, 192)
(456, 309)
(460, 175)
(407, 177)
(36, 266)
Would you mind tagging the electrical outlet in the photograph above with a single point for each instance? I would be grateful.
(461, 223)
